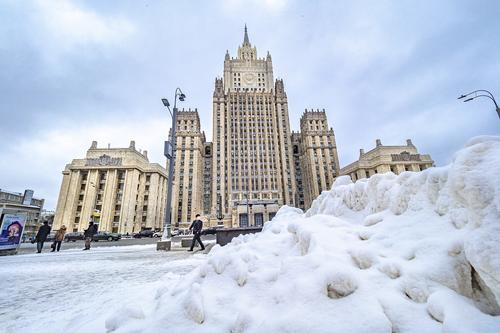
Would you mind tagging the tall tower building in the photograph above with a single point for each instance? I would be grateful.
(188, 185)
(253, 171)
(255, 164)
(317, 151)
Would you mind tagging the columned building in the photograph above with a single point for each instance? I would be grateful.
(383, 159)
(115, 187)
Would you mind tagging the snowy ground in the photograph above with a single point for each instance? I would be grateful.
(408, 253)
(74, 290)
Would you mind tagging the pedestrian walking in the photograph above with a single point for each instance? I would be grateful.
(89, 234)
(41, 236)
(196, 226)
(59, 238)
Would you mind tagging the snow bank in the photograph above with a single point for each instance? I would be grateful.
(417, 252)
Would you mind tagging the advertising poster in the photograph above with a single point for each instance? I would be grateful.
(11, 231)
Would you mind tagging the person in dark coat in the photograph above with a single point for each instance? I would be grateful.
(89, 234)
(196, 226)
(41, 236)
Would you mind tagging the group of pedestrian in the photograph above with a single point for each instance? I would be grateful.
(44, 231)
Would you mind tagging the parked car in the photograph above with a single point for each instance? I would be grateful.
(73, 236)
(104, 235)
(144, 233)
(158, 234)
(51, 237)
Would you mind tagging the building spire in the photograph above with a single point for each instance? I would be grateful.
(245, 39)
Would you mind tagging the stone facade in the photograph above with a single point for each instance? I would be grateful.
(316, 151)
(383, 159)
(116, 187)
(188, 181)
(250, 168)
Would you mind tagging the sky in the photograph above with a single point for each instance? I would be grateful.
(76, 71)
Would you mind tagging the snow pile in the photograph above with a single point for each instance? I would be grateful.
(417, 252)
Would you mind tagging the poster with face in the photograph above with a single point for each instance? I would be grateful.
(11, 231)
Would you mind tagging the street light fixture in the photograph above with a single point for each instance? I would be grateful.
(481, 93)
(170, 155)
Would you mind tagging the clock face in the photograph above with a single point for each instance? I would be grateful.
(249, 78)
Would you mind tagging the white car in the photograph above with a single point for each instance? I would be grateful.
(158, 234)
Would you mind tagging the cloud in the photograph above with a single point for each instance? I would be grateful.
(272, 6)
(64, 27)
(77, 71)
(42, 159)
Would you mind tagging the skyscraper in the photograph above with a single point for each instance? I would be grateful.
(252, 164)
(252, 145)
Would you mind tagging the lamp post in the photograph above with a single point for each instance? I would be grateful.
(481, 93)
(170, 155)
(94, 210)
(248, 207)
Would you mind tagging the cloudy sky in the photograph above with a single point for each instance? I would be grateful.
(76, 71)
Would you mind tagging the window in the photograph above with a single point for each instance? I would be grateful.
(259, 220)
(243, 220)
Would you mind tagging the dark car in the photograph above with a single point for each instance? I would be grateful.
(74, 236)
(51, 237)
(144, 233)
(104, 235)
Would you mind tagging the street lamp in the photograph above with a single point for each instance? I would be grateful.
(248, 208)
(169, 153)
(481, 93)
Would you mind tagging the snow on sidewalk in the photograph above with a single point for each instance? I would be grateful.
(75, 290)
(416, 252)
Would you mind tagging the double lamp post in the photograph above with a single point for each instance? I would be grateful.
(480, 93)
